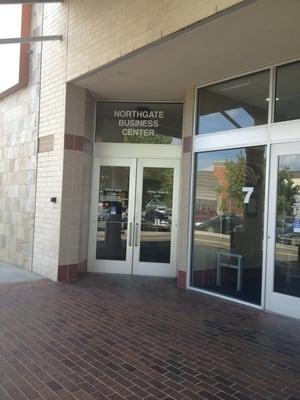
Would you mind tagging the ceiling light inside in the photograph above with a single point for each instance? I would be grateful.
(236, 86)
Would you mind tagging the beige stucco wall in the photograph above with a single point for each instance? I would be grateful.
(101, 31)
(18, 146)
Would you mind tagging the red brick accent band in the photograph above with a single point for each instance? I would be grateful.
(181, 279)
(78, 143)
(187, 144)
(71, 272)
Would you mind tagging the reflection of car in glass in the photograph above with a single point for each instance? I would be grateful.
(154, 204)
(284, 225)
(159, 219)
(224, 223)
(204, 214)
(285, 232)
(292, 239)
(238, 228)
(103, 212)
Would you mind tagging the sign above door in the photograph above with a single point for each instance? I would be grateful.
(126, 122)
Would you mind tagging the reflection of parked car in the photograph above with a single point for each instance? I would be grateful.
(292, 239)
(285, 232)
(157, 219)
(204, 214)
(283, 227)
(154, 204)
(238, 228)
(224, 223)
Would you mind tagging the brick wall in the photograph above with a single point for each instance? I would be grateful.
(50, 163)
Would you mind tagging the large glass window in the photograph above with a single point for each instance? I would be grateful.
(287, 101)
(234, 104)
(228, 222)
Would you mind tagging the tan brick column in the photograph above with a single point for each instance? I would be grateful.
(185, 190)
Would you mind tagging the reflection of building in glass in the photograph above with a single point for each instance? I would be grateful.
(212, 191)
(225, 202)
(206, 195)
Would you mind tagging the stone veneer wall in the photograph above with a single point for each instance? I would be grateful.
(18, 147)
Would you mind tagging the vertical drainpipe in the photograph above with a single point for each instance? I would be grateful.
(37, 136)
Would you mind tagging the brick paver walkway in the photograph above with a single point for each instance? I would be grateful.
(118, 338)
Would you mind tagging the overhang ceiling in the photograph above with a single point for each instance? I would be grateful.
(255, 36)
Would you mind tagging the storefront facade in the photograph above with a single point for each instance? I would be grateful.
(246, 191)
(172, 149)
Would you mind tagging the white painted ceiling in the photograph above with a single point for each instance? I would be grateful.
(260, 34)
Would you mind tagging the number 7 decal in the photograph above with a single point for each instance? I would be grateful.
(248, 190)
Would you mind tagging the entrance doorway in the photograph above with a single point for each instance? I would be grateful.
(134, 216)
(283, 250)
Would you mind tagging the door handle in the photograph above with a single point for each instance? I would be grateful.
(136, 234)
(130, 235)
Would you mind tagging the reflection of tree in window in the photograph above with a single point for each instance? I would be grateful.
(238, 173)
(286, 192)
(158, 187)
(235, 172)
(155, 139)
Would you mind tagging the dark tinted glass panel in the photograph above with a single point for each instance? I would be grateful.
(156, 218)
(228, 222)
(238, 103)
(153, 123)
(287, 248)
(287, 104)
(112, 213)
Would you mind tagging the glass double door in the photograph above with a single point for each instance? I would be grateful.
(283, 246)
(134, 216)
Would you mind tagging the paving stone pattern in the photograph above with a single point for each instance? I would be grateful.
(120, 338)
